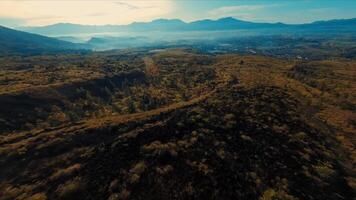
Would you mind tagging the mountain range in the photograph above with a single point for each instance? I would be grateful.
(174, 25)
(37, 40)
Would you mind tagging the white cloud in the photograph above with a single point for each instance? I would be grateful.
(240, 11)
(39, 12)
(234, 9)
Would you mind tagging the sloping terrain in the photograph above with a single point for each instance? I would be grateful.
(18, 42)
(98, 85)
(185, 126)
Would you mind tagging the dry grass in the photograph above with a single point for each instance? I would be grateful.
(255, 71)
(19, 81)
(71, 189)
(64, 173)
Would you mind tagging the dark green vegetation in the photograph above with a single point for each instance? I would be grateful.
(176, 124)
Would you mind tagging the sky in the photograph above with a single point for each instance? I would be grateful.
(15, 13)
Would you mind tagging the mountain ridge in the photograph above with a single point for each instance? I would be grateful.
(226, 23)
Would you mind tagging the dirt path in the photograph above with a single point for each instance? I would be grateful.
(13, 142)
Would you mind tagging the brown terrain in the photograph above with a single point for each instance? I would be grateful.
(176, 124)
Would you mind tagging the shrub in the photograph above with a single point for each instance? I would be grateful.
(324, 170)
(63, 173)
(136, 172)
(158, 148)
(38, 196)
(71, 189)
(271, 194)
(164, 169)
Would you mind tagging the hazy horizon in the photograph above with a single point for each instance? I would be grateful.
(115, 12)
(155, 19)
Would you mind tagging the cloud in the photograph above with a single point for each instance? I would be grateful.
(234, 9)
(130, 6)
(35, 13)
(240, 11)
(96, 14)
(320, 10)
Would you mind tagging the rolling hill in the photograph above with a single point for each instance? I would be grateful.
(177, 125)
(18, 42)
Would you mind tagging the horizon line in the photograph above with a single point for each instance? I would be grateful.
(187, 22)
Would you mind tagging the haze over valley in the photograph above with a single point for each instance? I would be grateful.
(176, 31)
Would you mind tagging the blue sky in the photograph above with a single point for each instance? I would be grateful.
(15, 13)
(288, 11)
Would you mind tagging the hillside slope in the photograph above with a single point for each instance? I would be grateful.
(18, 42)
(179, 125)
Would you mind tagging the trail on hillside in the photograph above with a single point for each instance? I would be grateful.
(24, 140)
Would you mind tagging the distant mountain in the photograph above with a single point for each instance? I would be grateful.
(176, 25)
(159, 25)
(155, 25)
(175, 31)
(18, 42)
(68, 28)
(230, 23)
(337, 24)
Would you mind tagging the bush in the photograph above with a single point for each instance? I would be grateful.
(136, 172)
(37, 196)
(71, 189)
(271, 194)
(63, 173)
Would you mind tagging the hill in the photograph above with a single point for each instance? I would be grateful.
(176, 124)
(18, 42)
